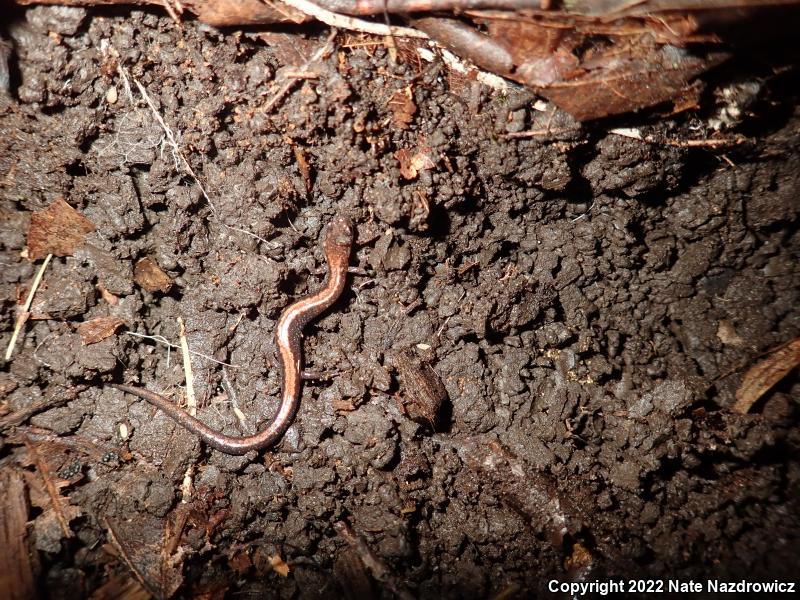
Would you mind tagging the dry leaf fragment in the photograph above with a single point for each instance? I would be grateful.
(108, 296)
(763, 375)
(279, 565)
(403, 156)
(149, 275)
(586, 67)
(58, 229)
(412, 164)
(140, 542)
(403, 107)
(98, 329)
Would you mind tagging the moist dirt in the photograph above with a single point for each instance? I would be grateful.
(588, 302)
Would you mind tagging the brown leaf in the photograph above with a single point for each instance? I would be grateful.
(593, 70)
(58, 229)
(139, 541)
(279, 565)
(149, 275)
(98, 329)
(627, 79)
(403, 108)
(412, 164)
(765, 374)
(403, 156)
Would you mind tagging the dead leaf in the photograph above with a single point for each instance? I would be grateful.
(587, 67)
(763, 375)
(139, 542)
(403, 107)
(619, 72)
(98, 329)
(403, 156)
(58, 229)
(627, 78)
(279, 565)
(412, 164)
(423, 392)
(149, 275)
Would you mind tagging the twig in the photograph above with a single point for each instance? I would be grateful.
(537, 133)
(191, 400)
(23, 315)
(336, 20)
(636, 134)
(371, 561)
(57, 399)
(173, 11)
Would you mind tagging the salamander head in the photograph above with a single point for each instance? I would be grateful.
(339, 235)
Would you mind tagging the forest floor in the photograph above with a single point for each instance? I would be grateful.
(589, 301)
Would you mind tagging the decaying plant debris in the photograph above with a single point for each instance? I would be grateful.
(568, 348)
(591, 59)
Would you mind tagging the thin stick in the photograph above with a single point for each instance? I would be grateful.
(636, 134)
(336, 20)
(191, 400)
(23, 315)
(537, 133)
(371, 561)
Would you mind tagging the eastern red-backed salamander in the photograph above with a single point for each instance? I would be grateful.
(337, 244)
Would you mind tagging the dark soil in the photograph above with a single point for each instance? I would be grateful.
(589, 301)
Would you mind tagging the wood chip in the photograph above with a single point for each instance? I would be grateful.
(765, 374)
(149, 275)
(98, 329)
(58, 230)
(17, 570)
